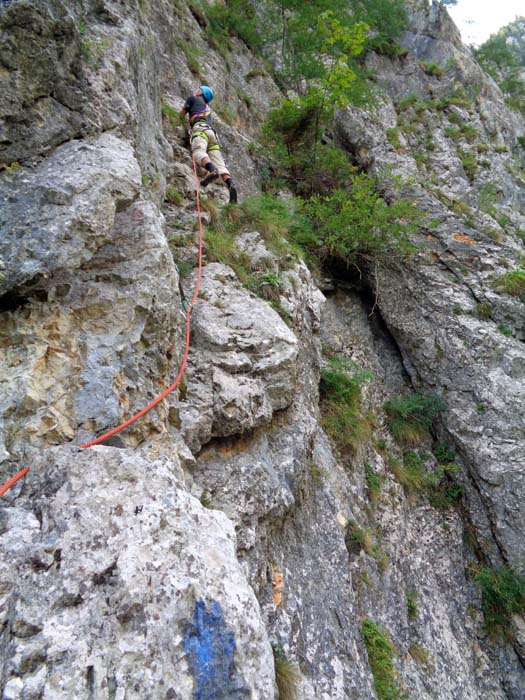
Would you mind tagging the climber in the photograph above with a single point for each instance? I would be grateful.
(204, 144)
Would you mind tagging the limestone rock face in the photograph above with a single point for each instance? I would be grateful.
(57, 215)
(459, 335)
(118, 583)
(226, 522)
(244, 365)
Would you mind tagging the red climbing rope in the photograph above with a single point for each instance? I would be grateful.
(13, 480)
(167, 391)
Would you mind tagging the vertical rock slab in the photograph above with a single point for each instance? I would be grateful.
(117, 583)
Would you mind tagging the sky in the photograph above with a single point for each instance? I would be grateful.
(478, 19)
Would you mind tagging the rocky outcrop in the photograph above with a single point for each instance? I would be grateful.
(458, 335)
(224, 520)
(120, 583)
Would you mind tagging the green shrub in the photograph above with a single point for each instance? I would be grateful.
(469, 131)
(410, 416)
(503, 593)
(387, 20)
(317, 474)
(220, 246)
(381, 652)
(362, 536)
(452, 132)
(411, 101)
(512, 283)
(505, 330)
(233, 17)
(343, 417)
(359, 223)
(443, 453)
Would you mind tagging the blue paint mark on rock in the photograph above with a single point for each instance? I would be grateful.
(210, 647)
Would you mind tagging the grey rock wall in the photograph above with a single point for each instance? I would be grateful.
(433, 306)
(166, 565)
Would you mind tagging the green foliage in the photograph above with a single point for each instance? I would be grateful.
(410, 416)
(381, 652)
(93, 50)
(413, 476)
(411, 101)
(272, 218)
(392, 136)
(387, 20)
(469, 163)
(193, 57)
(452, 132)
(484, 311)
(362, 536)
(412, 609)
(432, 69)
(343, 417)
(173, 196)
(512, 283)
(443, 493)
(287, 675)
(456, 97)
(293, 131)
(503, 595)
(171, 114)
(503, 57)
(360, 223)
(317, 474)
(443, 453)
(374, 482)
(234, 17)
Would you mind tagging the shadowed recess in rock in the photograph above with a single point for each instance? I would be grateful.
(210, 646)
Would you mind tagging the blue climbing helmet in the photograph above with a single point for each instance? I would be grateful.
(207, 93)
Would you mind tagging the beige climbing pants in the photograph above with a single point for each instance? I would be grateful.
(204, 143)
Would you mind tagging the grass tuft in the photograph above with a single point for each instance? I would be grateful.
(344, 418)
(381, 652)
(409, 416)
(503, 596)
(287, 675)
(512, 283)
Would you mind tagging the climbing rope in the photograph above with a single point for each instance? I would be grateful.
(187, 308)
(13, 480)
(167, 391)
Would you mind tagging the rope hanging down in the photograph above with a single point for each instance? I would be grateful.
(167, 391)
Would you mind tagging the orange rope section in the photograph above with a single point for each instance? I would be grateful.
(167, 391)
(13, 481)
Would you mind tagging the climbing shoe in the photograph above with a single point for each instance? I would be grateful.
(232, 190)
(233, 195)
(212, 175)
